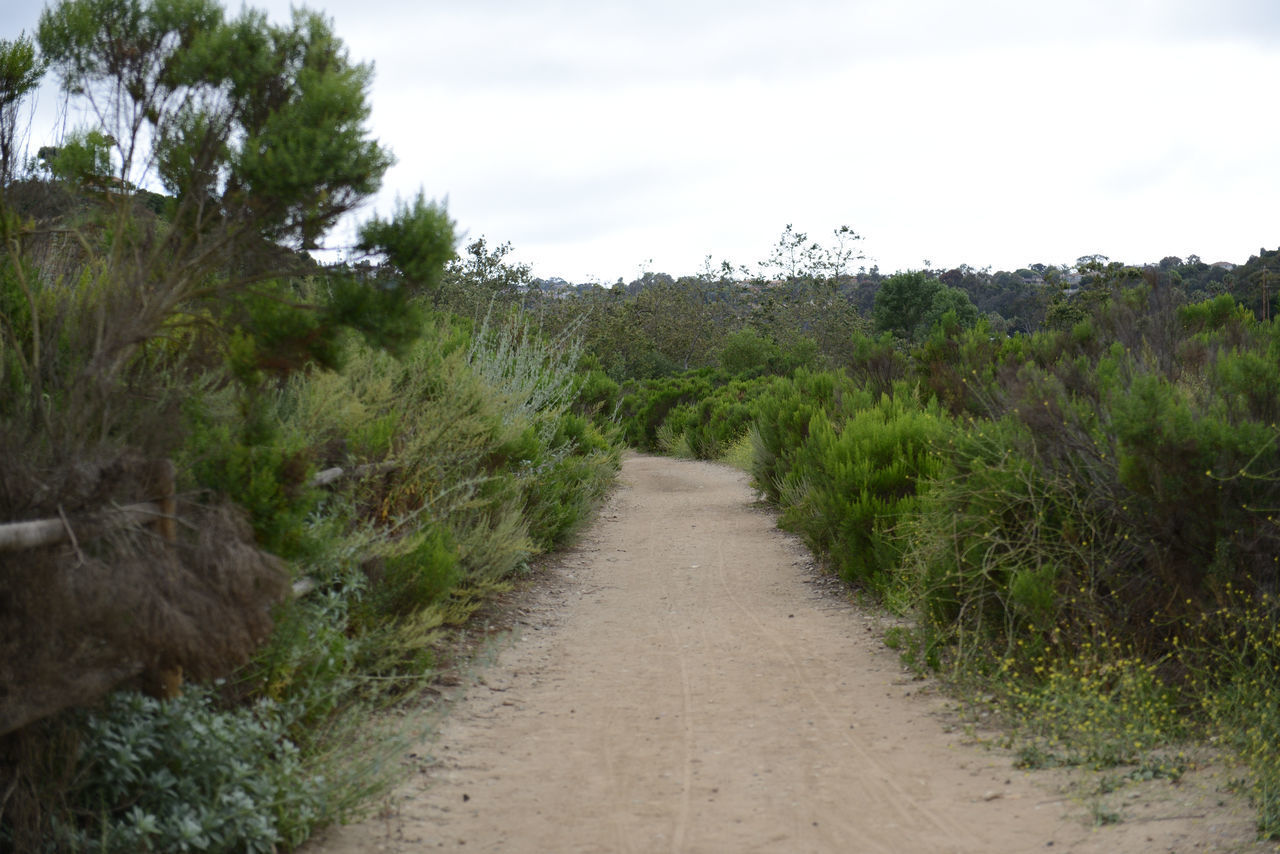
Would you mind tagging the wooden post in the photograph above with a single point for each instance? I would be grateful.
(163, 488)
(166, 682)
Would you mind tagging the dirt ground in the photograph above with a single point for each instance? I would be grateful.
(686, 681)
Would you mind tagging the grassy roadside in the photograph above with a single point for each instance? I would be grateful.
(478, 459)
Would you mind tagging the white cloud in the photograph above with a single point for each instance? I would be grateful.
(597, 135)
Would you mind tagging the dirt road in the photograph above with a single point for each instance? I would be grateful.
(685, 681)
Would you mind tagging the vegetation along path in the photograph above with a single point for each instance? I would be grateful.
(686, 681)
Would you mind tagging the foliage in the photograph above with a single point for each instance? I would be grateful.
(952, 305)
(796, 257)
(904, 303)
(713, 420)
(1254, 283)
(645, 406)
(1081, 516)
(856, 477)
(84, 159)
(417, 241)
(804, 301)
(1231, 655)
(748, 352)
(481, 463)
(21, 68)
(267, 119)
(257, 133)
(189, 330)
(876, 364)
(182, 775)
(1081, 519)
(597, 393)
(1129, 488)
(1100, 709)
(962, 366)
(783, 414)
(1110, 533)
(244, 453)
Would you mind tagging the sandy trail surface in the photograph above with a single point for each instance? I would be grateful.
(686, 681)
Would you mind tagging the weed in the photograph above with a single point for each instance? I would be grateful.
(1102, 814)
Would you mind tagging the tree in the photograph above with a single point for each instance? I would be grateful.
(253, 127)
(257, 133)
(842, 255)
(481, 280)
(808, 304)
(795, 259)
(1255, 283)
(20, 73)
(418, 242)
(791, 256)
(904, 302)
(83, 160)
(1091, 261)
(131, 335)
(951, 300)
(677, 317)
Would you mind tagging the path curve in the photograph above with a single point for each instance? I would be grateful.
(686, 682)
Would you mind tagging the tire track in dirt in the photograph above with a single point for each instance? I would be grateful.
(683, 684)
(880, 786)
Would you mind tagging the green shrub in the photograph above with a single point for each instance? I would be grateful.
(876, 364)
(182, 775)
(239, 448)
(1117, 492)
(1102, 555)
(598, 393)
(672, 439)
(782, 415)
(647, 405)
(422, 570)
(722, 418)
(746, 352)
(482, 464)
(850, 485)
(958, 365)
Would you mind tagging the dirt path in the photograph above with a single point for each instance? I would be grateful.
(686, 682)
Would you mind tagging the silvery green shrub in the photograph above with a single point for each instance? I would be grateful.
(183, 775)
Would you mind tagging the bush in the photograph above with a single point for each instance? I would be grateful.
(722, 418)
(1103, 552)
(422, 570)
(1233, 660)
(747, 352)
(474, 461)
(646, 405)
(782, 415)
(182, 775)
(244, 453)
(1117, 492)
(852, 483)
(876, 364)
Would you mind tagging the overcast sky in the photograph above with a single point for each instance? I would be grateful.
(600, 138)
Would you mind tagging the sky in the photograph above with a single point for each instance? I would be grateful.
(604, 139)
